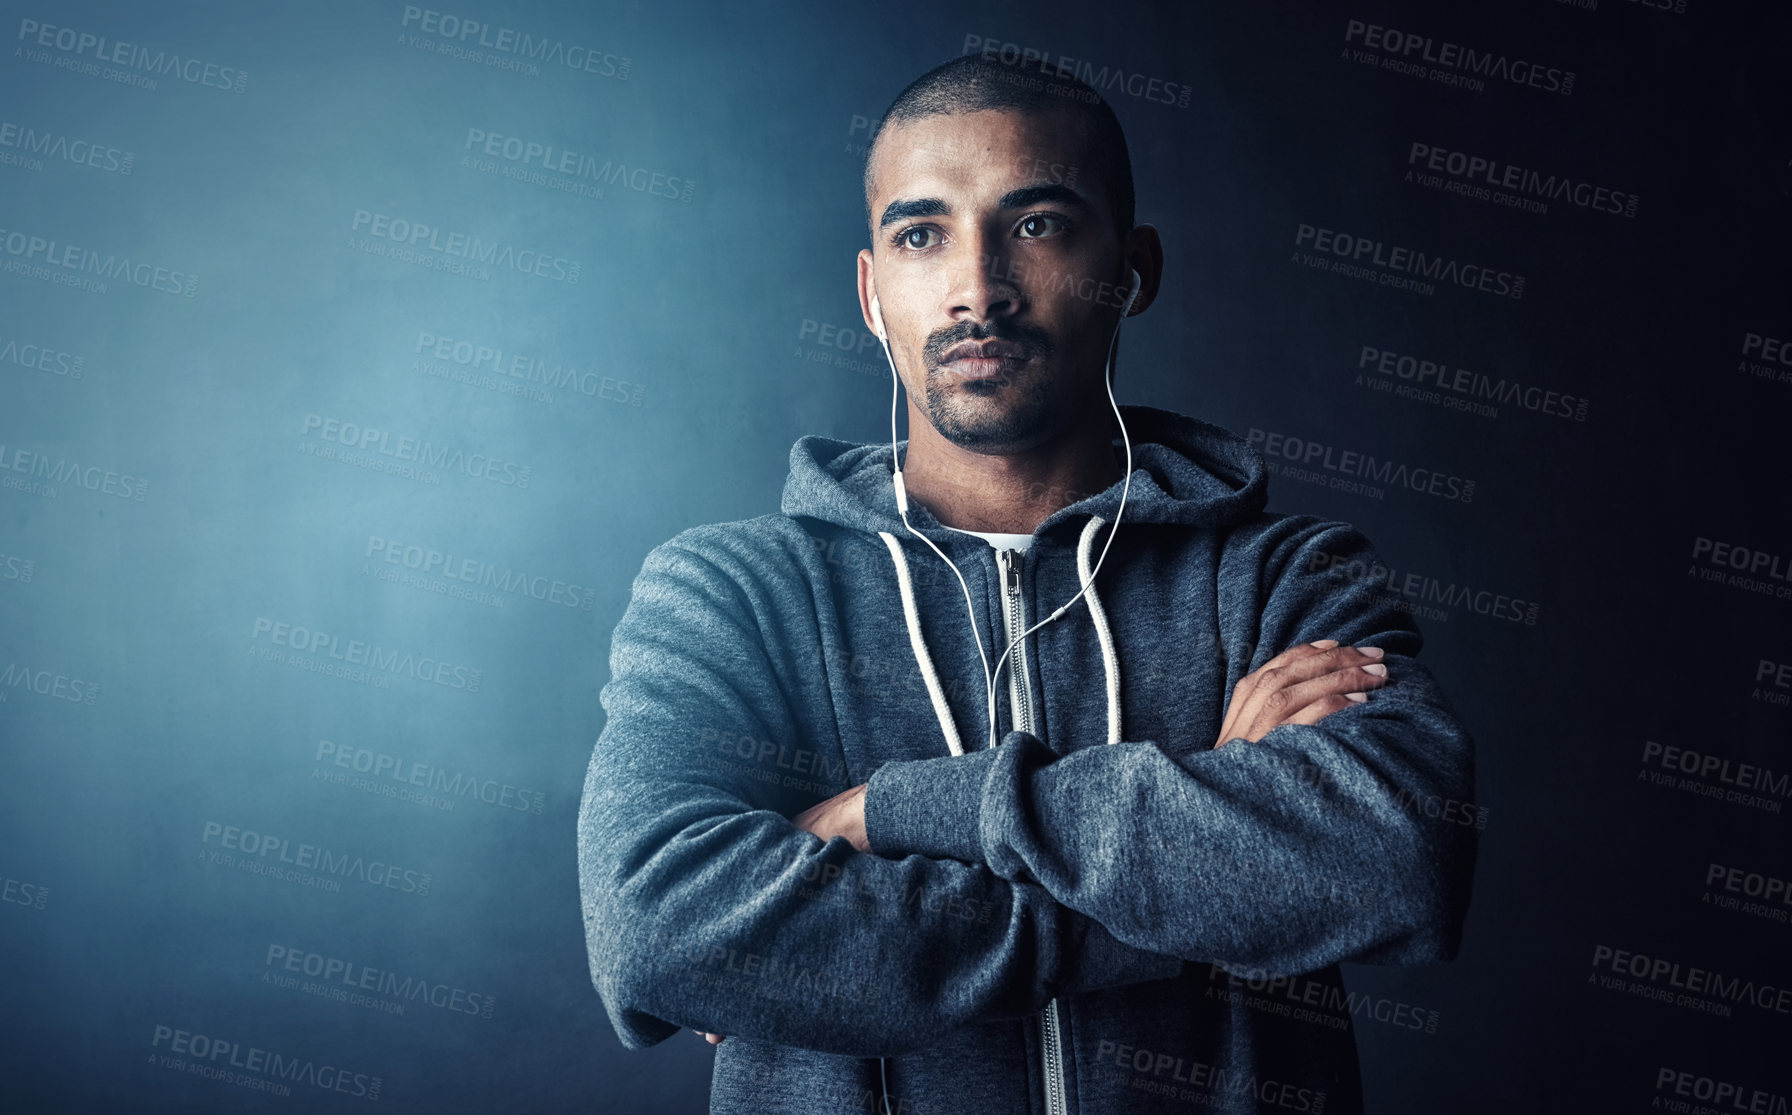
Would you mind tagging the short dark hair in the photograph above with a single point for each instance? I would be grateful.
(973, 82)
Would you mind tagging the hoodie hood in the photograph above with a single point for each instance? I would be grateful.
(1185, 471)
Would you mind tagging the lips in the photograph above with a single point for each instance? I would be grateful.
(984, 359)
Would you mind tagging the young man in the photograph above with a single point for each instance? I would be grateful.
(922, 814)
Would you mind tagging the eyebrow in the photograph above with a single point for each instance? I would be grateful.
(1025, 196)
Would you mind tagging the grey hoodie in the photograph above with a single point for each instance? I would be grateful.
(1073, 920)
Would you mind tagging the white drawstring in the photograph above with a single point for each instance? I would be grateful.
(1110, 661)
(940, 708)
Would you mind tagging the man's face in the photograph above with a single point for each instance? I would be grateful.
(997, 271)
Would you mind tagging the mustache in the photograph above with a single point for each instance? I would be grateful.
(1028, 336)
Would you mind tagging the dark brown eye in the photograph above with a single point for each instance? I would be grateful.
(1040, 224)
(906, 240)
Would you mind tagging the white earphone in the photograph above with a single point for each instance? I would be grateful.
(989, 679)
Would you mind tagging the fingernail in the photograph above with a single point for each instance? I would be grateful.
(1325, 644)
(1376, 668)
(1359, 698)
(1372, 652)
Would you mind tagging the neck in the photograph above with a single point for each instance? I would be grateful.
(1009, 493)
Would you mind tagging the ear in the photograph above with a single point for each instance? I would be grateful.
(868, 306)
(1145, 255)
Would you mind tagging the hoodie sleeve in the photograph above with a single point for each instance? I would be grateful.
(705, 909)
(1350, 839)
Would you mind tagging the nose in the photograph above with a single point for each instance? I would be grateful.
(980, 283)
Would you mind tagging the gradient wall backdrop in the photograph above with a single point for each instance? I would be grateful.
(353, 356)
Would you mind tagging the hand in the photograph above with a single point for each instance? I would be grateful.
(1301, 685)
(713, 1039)
(841, 815)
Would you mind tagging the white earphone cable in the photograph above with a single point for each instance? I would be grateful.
(989, 679)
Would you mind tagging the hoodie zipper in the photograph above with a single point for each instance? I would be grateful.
(1020, 701)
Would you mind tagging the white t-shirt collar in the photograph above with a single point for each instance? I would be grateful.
(997, 539)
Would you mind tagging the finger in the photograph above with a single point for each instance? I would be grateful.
(1319, 662)
(1297, 652)
(1282, 706)
(1248, 684)
(1252, 711)
(1240, 710)
(1350, 679)
(714, 1039)
(1272, 702)
(1322, 708)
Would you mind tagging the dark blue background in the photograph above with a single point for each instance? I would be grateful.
(694, 342)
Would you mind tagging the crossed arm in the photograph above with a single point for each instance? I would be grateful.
(1318, 841)
(1302, 685)
(693, 889)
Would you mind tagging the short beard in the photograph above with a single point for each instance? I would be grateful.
(1021, 424)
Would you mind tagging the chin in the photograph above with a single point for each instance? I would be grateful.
(996, 433)
(990, 416)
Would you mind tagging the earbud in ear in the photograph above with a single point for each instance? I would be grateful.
(1133, 293)
(877, 315)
